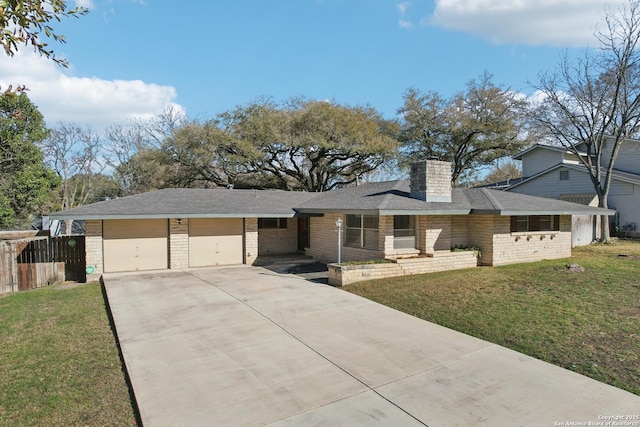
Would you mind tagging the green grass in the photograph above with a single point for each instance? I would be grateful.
(59, 362)
(586, 322)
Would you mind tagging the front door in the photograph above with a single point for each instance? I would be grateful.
(303, 233)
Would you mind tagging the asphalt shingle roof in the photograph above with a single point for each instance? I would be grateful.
(392, 198)
(382, 198)
(192, 203)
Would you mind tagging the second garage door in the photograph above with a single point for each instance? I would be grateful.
(215, 241)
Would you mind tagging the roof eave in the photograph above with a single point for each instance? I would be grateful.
(63, 216)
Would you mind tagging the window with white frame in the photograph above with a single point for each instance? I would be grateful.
(361, 231)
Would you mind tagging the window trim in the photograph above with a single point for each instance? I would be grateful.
(360, 244)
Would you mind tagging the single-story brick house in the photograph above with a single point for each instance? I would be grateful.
(420, 218)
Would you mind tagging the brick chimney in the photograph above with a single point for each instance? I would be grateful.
(431, 181)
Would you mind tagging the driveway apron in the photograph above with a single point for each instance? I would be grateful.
(244, 346)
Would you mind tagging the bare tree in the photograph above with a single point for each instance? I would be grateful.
(75, 154)
(591, 106)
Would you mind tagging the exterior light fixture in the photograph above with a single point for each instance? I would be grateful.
(339, 225)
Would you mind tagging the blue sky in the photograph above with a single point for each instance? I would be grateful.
(129, 59)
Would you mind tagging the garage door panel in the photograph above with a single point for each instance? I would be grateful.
(215, 241)
(131, 245)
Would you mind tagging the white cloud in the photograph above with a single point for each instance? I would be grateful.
(63, 97)
(405, 24)
(540, 22)
(402, 7)
(87, 4)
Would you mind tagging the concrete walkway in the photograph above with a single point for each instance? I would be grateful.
(245, 346)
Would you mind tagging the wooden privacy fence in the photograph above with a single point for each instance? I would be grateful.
(41, 261)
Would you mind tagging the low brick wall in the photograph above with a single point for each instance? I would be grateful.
(340, 275)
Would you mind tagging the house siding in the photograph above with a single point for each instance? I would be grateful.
(628, 159)
(539, 160)
(627, 207)
(279, 240)
(549, 185)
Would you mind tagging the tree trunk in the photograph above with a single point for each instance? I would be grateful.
(605, 232)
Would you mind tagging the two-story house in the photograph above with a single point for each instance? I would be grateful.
(555, 172)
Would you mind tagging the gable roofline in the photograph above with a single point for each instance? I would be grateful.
(558, 148)
(616, 174)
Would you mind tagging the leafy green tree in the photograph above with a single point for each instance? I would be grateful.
(146, 170)
(204, 155)
(26, 183)
(471, 130)
(312, 145)
(25, 21)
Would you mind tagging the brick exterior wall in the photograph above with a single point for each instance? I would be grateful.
(431, 181)
(437, 233)
(511, 248)
(444, 261)
(93, 248)
(178, 244)
(385, 227)
(480, 235)
(492, 234)
(279, 240)
(250, 240)
(459, 230)
(324, 242)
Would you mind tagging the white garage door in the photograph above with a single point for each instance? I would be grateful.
(135, 244)
(215, 241)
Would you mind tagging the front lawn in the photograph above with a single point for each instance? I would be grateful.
(587, 322)
(59, 362)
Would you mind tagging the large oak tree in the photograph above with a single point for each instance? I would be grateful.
(311, 145)
(471, 129)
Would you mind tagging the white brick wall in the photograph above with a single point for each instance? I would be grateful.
(250, 240)
(93, 248)
(279, 240)
(324, 242)
(178, 244)
(511, 248)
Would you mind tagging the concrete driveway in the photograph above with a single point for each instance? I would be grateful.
(245, 346)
